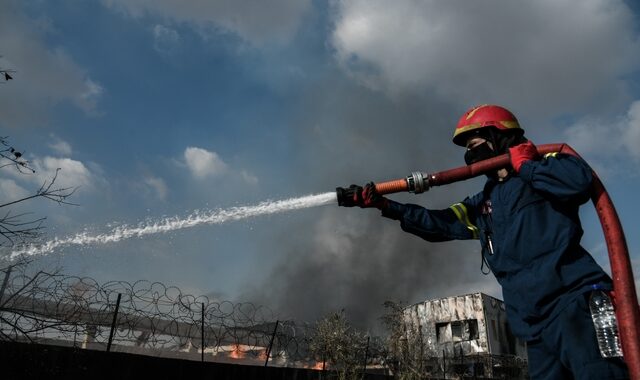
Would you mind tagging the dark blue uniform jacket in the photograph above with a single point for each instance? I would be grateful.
(529, 230)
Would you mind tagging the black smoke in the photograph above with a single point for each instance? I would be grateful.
(337, 258)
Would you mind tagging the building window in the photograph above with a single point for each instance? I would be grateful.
(457, 331)
(443, 332)
(464, 330)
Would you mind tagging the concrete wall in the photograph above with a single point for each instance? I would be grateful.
(445, 325)
(501, 340)
(463, 325)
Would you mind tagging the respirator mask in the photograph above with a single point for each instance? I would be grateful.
(478, 153)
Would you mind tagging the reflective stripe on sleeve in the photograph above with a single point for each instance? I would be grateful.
(463, 216)
(552, 154)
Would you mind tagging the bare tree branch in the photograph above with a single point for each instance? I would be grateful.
(15, 157)
(14, 229)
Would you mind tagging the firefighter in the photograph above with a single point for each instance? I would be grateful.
(526, 220)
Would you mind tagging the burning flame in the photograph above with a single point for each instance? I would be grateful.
(236, 352)
(317, 366)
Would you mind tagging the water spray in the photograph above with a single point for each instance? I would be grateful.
(627, 310)
(164, 225)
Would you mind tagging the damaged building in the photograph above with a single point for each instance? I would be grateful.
(467, 335)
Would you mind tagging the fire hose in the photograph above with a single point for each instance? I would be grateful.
(627, 310)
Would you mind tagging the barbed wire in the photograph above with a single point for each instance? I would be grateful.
(159, 320)
(152, 318)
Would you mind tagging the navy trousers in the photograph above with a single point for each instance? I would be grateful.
(567, 348)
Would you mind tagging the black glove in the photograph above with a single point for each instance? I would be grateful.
(371, 197)
(366, 197)
(349, 197)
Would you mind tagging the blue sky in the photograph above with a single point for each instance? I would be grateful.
(158, 108)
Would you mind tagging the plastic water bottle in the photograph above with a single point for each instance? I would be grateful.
(604, 320)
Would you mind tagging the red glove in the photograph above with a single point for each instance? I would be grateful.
(522, 153)
(371, 198)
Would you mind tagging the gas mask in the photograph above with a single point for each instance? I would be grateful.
(478, 153)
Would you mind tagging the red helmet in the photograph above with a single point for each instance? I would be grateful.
(485, 116)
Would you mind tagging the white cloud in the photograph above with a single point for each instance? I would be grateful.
(554, 54)
(587, 136)
(60, 146)
(255, 21)
(622, 135)
(158, 187)
(166, 40)
(44, 75)
(92, 92)
(203, 163)
(249, 178)
(72, 173)
(11, 191)
(631, 132)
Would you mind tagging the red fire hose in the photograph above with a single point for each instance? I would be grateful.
(627, 310)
